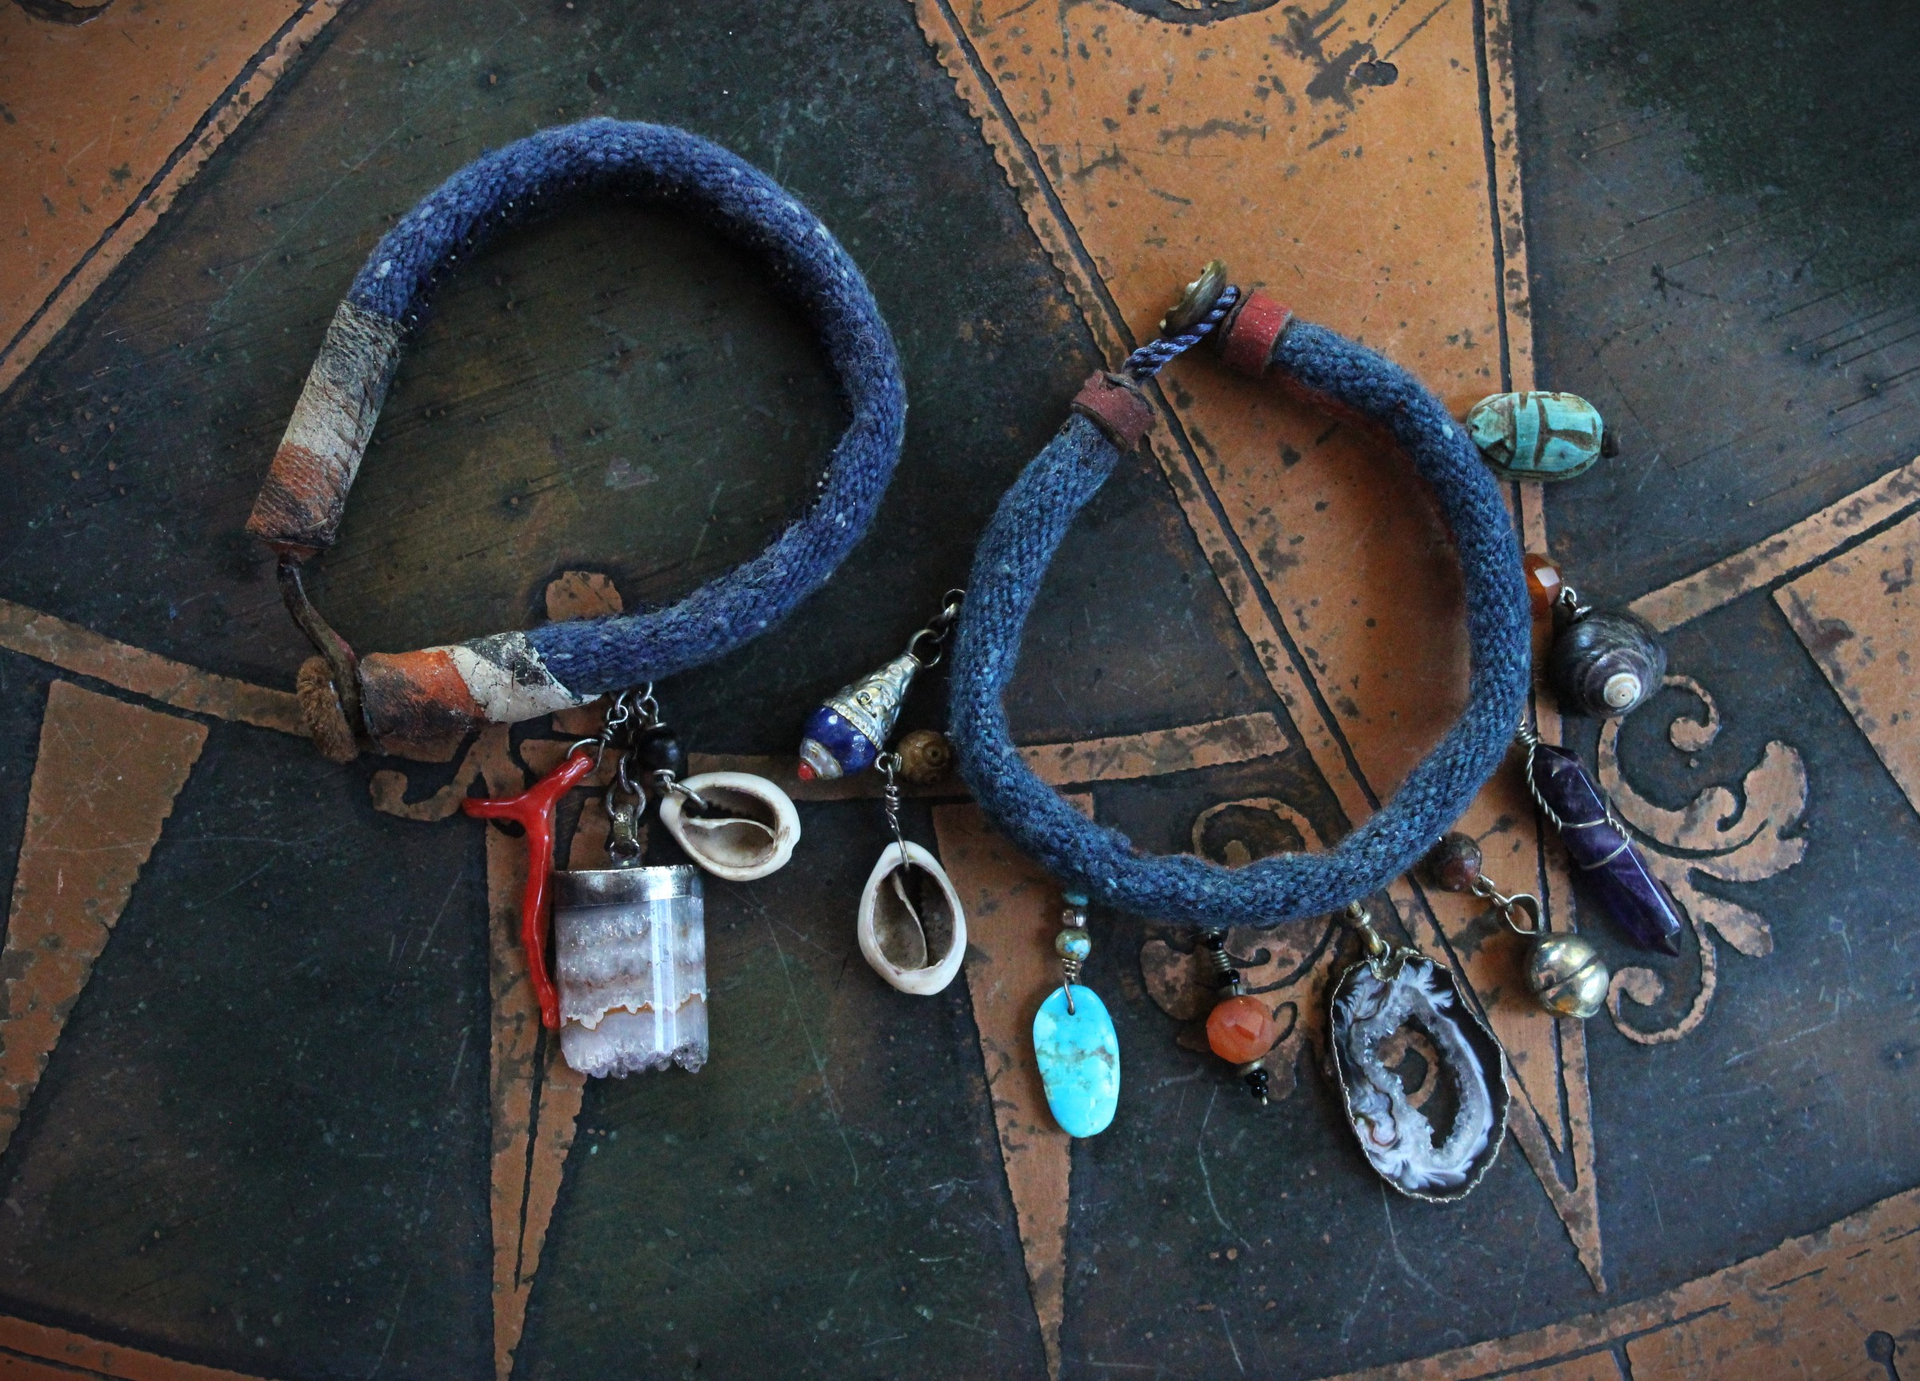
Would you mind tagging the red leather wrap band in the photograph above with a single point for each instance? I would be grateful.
(1247, 343)
(1115, 404)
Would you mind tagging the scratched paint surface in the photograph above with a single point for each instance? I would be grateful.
(278, 1070)
(94, 111)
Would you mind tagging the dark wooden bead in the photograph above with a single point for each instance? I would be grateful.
(1453, 865)
(659, 750)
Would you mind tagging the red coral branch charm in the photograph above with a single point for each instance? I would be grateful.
(533, 809)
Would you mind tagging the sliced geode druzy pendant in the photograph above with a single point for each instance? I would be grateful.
(1372, 1002)
(1078, 1052)
(1616, 873)
(846, 733)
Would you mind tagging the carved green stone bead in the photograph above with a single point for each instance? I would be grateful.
(1073, 944)
(1539, 436)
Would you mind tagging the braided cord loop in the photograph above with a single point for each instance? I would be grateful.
(1011, 563)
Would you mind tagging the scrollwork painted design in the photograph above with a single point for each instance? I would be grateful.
(1716, 835)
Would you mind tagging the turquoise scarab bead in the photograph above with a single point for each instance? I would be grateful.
(1539, 436)
(1078, 1053)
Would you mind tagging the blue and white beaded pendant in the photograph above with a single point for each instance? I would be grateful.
(1074, 1042)
(846, 734)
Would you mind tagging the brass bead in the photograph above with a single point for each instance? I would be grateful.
(1196, 301)
(926, 757)
(1567, 976)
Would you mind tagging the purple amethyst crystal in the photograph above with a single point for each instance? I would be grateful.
(1606, 858)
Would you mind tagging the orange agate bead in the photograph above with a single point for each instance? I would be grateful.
(1240, 1029)
(1544, 583)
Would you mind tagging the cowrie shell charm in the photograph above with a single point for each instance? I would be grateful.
(916, 947)
(735, 825)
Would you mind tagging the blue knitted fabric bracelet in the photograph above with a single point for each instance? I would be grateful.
(1257, 336)
(416, 703)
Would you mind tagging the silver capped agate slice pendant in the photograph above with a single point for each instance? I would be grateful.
(630, 956)
(1390, 999)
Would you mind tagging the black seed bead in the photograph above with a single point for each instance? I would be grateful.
(659, 750)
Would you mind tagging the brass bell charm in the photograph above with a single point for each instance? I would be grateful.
(1567, 976)
(1564, 973)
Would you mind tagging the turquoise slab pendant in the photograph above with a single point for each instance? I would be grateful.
(1538, 436)
(1079, 1056)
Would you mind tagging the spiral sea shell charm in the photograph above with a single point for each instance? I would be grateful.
(1606, 664)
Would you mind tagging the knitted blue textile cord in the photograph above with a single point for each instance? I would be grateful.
(1020, 542)
(414, 699)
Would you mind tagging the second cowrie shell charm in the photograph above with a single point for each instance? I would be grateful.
(735, 825)
(916, 946)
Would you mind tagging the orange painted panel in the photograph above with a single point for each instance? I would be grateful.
(1859, 616)
(94, 112)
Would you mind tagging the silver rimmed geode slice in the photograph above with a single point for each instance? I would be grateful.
(1373, 1002)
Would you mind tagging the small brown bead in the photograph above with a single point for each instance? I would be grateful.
(1544, 584)
(1453, 865)
(926, 757)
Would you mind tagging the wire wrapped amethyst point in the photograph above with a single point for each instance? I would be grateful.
(1603, 854)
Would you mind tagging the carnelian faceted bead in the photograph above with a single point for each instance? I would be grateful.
(1544, 583)
(1240, 1029)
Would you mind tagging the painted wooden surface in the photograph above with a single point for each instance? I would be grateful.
(297, 1120)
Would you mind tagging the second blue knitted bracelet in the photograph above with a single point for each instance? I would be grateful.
(1258, 337)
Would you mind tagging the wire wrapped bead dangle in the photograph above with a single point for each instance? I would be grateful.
(1564, 972)
(1074, 1041)
(1240, 1028)
(1610, 863)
